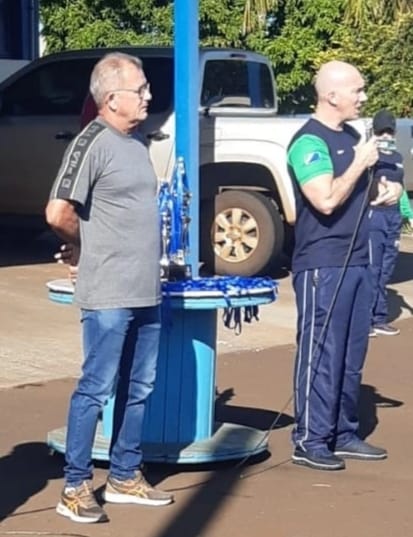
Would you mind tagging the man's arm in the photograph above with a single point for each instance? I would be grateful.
(62, 217)
(326, 192)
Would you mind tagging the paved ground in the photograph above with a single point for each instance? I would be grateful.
(270, 497)
(53, 349)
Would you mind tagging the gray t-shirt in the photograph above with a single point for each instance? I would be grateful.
(110, 177)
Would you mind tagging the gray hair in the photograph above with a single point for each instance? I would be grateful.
(108, 74)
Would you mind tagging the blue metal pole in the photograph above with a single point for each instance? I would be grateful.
(186, 109)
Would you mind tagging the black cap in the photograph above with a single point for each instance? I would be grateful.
(384, 121)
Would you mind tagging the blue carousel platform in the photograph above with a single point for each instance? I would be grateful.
(180, 424)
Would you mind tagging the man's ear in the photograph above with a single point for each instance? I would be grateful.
(111, 102)
(332, 98)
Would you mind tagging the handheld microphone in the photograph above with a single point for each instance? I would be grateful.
(368, 124)
(372, 188)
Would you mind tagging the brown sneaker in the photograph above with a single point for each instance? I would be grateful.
(80, 505)
(135, 490)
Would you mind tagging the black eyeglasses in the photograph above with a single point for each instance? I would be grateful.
(140, 92)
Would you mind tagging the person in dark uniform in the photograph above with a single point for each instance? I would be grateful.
(385, 224)
(329, 167)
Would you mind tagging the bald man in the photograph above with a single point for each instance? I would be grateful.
(329, 168)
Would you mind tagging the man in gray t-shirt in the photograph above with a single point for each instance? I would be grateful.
(104, 204)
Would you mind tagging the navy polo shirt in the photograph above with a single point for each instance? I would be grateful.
(324, 240)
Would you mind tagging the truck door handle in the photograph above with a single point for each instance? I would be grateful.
(64, 135)
(157, 136)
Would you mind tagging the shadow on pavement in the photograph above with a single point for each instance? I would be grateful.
(396, 304)
(204, 505)
(403, 271)
(27, 248)
(27, 470)
(370, 400)
(259, 418)
(209, 496)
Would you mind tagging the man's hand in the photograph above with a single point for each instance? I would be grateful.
(366, 153)
(389, 192)
(69, 254)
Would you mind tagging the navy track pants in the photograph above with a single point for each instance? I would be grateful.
(384, 249)
(330, 354)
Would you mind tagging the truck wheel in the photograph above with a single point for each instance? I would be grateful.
(241, 233)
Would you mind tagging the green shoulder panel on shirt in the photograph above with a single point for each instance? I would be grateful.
(309, 158)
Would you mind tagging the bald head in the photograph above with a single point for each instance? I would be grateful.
(332, 74)
(340, 91)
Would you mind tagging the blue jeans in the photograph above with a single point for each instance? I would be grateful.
(121, 350)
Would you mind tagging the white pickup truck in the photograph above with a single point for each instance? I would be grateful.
(246, 197)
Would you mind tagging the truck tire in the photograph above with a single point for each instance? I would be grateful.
(241, 233)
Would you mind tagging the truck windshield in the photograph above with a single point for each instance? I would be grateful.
(239, 83)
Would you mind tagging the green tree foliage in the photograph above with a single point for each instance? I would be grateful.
(220, 23)
(360, 12)
(384, 54)
(298, 31)
(297, 35)
(71, 24)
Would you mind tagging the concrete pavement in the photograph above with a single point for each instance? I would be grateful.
(268, 497)
(40, 340)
